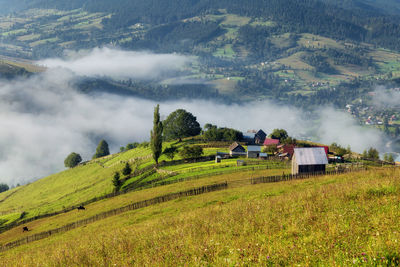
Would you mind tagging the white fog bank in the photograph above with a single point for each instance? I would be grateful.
(44, 118)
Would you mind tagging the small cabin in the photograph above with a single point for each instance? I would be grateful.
(259, 137)
(253, 151)
(309, 160)
(218, 159)
(237, 150)
(263, 156)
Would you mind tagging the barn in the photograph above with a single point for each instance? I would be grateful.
(237, 150)
(253, 151)
(259, 137)
(309, 160)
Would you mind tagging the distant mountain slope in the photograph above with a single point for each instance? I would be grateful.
(289, 50)
(391, 7)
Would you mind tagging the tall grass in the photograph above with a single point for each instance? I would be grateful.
(350, 219)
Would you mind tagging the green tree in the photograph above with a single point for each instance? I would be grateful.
(388, 157)
(339, 150)
(127, 169)
(156, 135)
(170, 152)
(101, 150)
(365, 154)
(373, 153)
(131, 146)
(116, 181)
(72, 160)
(180, 124)
(4, 187)
(191, 152)
(280, 134)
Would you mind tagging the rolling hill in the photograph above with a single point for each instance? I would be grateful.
(282, 50)
(200, 212)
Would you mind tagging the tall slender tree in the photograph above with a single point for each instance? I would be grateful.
(101, 150)
(156, 135)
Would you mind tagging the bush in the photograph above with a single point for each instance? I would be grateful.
(170, 152)
(127, 169)
(4, 187)
(221, 134)
(72, 160)
(191, 152)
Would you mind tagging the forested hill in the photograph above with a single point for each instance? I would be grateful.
(391, 7)
(291, 50)
(357, 20)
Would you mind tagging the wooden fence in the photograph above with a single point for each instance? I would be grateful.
(172, 196)
(106, 214)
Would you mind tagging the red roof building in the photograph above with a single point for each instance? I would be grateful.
(287, 149)
(271, 142)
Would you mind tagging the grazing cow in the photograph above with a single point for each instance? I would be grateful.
(81, 208)
(25, 229)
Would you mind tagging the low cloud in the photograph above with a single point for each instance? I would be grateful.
(44, 118)
(385, 98)
(119, 64)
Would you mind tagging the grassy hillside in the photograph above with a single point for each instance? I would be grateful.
(92, 180)
(334, 220)
(12, 68)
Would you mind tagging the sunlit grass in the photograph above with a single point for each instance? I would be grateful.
(335, 221)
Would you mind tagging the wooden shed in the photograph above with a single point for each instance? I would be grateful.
(237, 150)
(309, 159)
(253, 151)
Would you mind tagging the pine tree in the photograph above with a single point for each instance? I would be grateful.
(116, 181)
(102, 150)
(156, 135)
(127, 169)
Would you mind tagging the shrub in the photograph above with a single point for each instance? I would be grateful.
(127, 169)
(72, 160)
(191, 152)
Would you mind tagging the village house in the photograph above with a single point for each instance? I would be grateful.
(259, 137)
(271, 142)
(309, 160)
(286, 150)
(253, 151)
(237, 150)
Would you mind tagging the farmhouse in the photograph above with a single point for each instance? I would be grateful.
(259, 137)
(309, 159)
(271, 142)
(253, 151)
(286, 150)
(237, 150)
